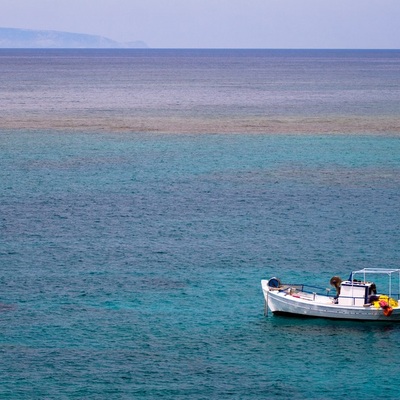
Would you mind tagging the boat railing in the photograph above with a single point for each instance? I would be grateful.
(309, 289)
(326, 291)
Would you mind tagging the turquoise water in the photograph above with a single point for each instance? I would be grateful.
(131, 263)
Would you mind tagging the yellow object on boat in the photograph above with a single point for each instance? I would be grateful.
(391, 302)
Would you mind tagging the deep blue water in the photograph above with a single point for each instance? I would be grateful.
(131, 261)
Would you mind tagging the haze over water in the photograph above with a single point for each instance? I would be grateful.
(139, 212)
(207, 91)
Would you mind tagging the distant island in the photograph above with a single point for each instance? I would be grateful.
(28, 38)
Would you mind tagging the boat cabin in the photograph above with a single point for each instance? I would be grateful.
(356, 293)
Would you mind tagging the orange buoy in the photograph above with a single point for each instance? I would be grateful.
(387, 311)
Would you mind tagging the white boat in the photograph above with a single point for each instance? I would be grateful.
(353, 299)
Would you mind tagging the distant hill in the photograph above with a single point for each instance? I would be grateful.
(27, 38)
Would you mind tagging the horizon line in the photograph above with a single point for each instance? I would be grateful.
(204, 48)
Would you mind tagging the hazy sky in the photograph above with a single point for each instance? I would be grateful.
(217, 23)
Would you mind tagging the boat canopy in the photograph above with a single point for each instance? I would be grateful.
(383, 271)
(387, 271)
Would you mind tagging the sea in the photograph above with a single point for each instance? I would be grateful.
(145, 194)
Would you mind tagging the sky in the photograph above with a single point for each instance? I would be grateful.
(355, 24)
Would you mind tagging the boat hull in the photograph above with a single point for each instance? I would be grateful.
(283, 303)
